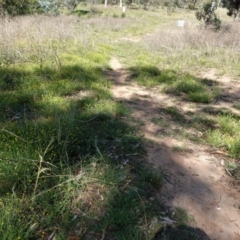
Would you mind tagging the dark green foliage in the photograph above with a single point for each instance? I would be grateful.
(154, 177)
(172, 4)
(71, 4)
(233, 7)
(18, 7)
(123, 15)
(207, 14)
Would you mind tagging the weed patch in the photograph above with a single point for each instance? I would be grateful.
(227, 135)
(196, 90)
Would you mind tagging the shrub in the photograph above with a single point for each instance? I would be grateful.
(123, 15)
(18, 7)
(207, 15)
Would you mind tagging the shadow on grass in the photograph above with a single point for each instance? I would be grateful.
(182, 232)
(52, 139)
(74, 160)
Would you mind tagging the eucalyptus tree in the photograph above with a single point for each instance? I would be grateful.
(233, 7)
(18, 7)
(50, 6)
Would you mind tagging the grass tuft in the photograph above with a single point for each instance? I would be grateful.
(154, 177)
(196, 90)
(227, 136)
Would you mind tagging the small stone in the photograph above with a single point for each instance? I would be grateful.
(235, 205)
(154, 223)
(199, 134)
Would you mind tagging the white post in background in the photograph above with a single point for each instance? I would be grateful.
(124, 9)
(180, 23)
(120, 3)
(105, 3)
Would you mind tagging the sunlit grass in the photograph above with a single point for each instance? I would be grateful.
(227, 136)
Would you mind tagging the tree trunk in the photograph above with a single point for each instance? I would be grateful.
(121, 3)
(105, 3)
(237, 15)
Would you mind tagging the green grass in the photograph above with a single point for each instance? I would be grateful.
(58, 151)
(227, 135)
(154, 177)
(63, 142)
(195, 89)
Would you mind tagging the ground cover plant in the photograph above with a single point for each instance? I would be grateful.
(196, 90)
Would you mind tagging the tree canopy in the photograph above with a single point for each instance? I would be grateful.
(233, 7)
(18, 7)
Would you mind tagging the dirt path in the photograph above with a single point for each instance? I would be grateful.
(195, 178)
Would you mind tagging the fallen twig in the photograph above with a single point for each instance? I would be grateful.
(228, 172)
(98, 151)
(89, 119)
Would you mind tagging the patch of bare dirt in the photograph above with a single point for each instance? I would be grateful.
(131, 39)
(194, 176)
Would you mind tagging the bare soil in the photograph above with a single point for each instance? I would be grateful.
(195, 178)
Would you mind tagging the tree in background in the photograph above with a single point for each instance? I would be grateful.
(206, 13)
(49, 6)
(71, 4)
(233, 7)
(21, 7)
(18, 7)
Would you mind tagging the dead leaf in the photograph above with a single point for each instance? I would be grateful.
(168, 221)
(219, 152)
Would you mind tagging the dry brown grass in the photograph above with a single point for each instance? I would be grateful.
(43, 38)
(193, 46)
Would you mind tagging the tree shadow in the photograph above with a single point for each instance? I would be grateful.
(182, 232)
